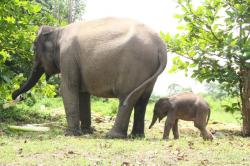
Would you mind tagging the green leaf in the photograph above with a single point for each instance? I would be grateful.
(4, 55)
(167, 37)
(180, 27)
(173, 69)
(178, 16)
(35, 9)
(10, 19)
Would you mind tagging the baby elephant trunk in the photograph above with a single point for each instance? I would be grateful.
(155, 117)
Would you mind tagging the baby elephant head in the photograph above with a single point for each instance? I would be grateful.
(161, 109)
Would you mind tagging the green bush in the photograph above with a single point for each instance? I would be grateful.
(20, 20)
(30, 111)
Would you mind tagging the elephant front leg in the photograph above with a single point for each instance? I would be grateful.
(168, 126)
(175, 130)
(70, 96)
(85, 113)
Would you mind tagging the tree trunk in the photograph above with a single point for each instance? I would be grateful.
(70, 11)
(59, 12)
(54, 9)
(245, 98)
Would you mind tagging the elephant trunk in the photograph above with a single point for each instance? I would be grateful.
(155, 117)
(35, 75)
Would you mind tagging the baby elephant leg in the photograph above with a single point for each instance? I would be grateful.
(200, 123)
(175, 130)
(168, 126)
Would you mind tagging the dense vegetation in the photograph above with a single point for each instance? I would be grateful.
(214, 44)
(19, 22)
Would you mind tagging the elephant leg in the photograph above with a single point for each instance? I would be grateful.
(120, 128)
(139, 116)
(70, 93)
(175, 130)
(168, 126)
(85, 113)
(71, 104)
(200, 123)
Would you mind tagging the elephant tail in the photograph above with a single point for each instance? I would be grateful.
(208, 116)
(162, 57)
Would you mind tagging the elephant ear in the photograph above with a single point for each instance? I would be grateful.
(45, 30)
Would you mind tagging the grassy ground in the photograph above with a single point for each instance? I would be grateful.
(53, 148)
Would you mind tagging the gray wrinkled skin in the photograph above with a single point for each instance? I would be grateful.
(185, 106)
(112, 58)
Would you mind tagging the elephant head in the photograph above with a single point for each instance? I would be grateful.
(46, 58)
(161, 109)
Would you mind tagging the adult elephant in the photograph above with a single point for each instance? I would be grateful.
(111, 57)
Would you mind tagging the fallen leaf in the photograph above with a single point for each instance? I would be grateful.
(190, 143)
(125, 163)
(170, 146)
(180, 157)
(2, 143)
(215, 122)
(20, 150)
(99, 120)
(70, 152)
(204, 162)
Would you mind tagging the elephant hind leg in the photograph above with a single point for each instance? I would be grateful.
(200, 123)
(120, 128)
(139, 101)
(175, 130)
(139, 115)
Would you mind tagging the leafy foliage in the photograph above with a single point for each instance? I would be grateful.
(176, 88)
(214, 41)
(61, 9)
(19, 22)
(216, 44)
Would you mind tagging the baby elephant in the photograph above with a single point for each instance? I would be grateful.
(185, 106)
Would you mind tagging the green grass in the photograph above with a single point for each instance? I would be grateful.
(53, 148)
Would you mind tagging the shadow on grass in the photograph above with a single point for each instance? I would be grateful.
(57, 130)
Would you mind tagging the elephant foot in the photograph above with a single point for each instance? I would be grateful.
(165, 138)
(88, 130)
(208, 137)
(72, 132)
(137, 135)
(114, 134)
